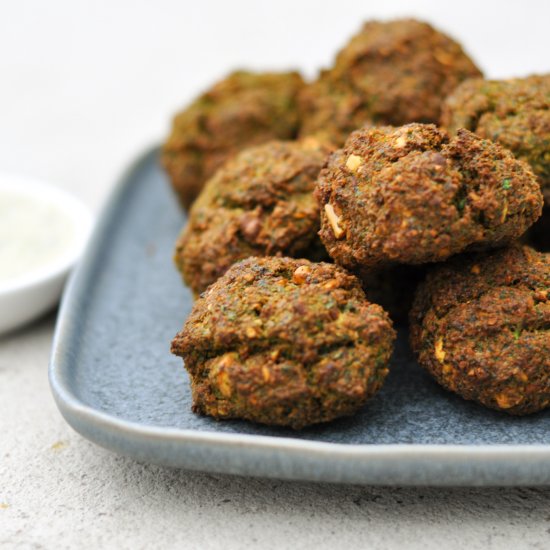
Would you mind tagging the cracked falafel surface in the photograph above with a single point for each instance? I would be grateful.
(480, 325)
(261, 203)
(514, 113)
(392, 72)
(242, 110)
(413, 195)
(284, 342)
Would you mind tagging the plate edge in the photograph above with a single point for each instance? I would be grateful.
(89, 422)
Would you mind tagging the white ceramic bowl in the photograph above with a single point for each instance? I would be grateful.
(35, 292)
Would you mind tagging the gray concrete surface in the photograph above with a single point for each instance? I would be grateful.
(85, 85)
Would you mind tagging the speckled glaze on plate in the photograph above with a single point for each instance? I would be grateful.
(116, 383)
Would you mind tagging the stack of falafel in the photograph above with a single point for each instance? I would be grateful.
(398, 184)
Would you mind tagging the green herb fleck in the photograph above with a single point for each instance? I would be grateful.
(461, 203)
(507, 183)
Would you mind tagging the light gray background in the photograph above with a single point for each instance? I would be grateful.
(84, 86)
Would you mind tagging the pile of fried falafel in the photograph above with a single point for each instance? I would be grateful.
(398, 185)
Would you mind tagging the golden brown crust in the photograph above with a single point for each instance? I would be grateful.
(480, 325)
(392, 72)
(284, 342)
(514, 113)
(413, 195)
(242, 110)
(261, 203)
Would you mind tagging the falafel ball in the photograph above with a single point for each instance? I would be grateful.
(260, 203)
(241, 110)
(480, 325)
(391, 72)
(412, 195)
(331, 109)
(284, 342)
(514, 113)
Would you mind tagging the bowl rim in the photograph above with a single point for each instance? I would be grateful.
(79, 214)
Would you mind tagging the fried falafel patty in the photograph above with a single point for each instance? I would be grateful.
(514, 113)
(331, 110)
(412, 195)
(260, 203)
(481, 326)
(389, 73)
(244, 109)
(284, 342)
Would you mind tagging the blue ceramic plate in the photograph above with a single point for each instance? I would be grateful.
(116, 383)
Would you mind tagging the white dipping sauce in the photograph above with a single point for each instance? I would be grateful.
(34, 234)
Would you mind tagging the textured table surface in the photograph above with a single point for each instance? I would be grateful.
(86, 85)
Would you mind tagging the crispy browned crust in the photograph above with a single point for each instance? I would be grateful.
(331, 110)
(261, 203)
(392, 72)
(412, 195)
(480, 325)
(242, 110)
(284, 342)
(514, 113)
